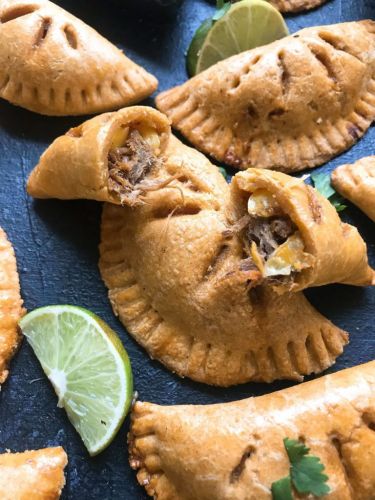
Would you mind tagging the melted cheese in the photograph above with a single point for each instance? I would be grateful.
(119, 137)
(263, 204)
(288, 257)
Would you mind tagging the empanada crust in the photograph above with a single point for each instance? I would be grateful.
(356, 182)
(11, 309)
(340, 254)
(235, 450)
(75, 166)
(54, 64)
(287, 106)
(32, 475)
(169, 269)
(296, 5)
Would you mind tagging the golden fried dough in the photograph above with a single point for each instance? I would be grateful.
(32, 475)
(356, 182)
(235, 450)
(54, 64)
(293, 104)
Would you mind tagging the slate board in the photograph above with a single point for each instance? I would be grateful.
(56, 245)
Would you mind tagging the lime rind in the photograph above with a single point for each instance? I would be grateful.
(77, 364)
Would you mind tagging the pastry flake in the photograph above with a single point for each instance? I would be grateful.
(356, 182)
(11, 309)
(54, 64)
(296, 5)
(178, 281)
(236, 450)
(32, 475)
(251, 110)
(111, 157)
(294, 234)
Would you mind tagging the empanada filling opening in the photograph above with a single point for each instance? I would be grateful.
(133, 156)
(272, 239)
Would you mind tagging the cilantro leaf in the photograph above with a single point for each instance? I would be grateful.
(224, 173)
(282, 489)
(322, 183)
(306, 470)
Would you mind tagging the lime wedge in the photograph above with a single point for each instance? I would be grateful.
(247, 24)
(88, 367)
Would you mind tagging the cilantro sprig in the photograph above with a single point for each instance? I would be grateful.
(322, 183)
(305, 474)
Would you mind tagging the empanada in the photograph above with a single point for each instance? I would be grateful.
(296, 5)
(11, 308)
(32, 475)
(235, 450)
(180, 282)
(289, 105)
(294, 235)
(106, 158)
(54, 64)
(356, 182)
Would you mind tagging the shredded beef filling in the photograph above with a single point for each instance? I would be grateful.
(269, 233)
(129, 165)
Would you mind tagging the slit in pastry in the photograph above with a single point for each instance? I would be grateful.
(236, 450)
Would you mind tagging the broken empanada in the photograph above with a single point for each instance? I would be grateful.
(236, 451)
(295, 5)
(106, 158)
(294, 235)
(54, 64)
(32, 475)
(11, 308)
(356, 182)
(180, 283)
(289, 105)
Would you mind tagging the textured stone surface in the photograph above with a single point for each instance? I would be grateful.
(56, 245)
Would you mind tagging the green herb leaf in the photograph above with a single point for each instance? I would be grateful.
(224, 173)
(306, 470)
(282, 489)
(322, 183)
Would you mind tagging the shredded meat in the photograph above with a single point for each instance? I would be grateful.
(269, 233)
(129, 165)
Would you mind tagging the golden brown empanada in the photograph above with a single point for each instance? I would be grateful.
(289, 105)
(54, 64)
(235, 450)
(356, 182)
(295, 236)
(180, 283)
(11, 308)
(296, 5)
(32, 475)
(101, 159)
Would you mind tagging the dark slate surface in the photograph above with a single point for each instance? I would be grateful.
(56, 245)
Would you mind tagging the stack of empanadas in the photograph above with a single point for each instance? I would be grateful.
(54, 64)
(184, 256)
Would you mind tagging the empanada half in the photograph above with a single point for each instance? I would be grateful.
(32, 475)
(112, 157)
(178, 281)
(11, 308)
(287, 106)
(356, 182)
(296, 5)
(294, 234)
(54, 64)
(235, 450)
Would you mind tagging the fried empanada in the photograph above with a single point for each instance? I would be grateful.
(295, 236)
(54, 64)
(180, 283)
(11, 309)
(289, 105)
(107, 158)
(236, 451)
(356, 182)
(296, 5)
(32, 475)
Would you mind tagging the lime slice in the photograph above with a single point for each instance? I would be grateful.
(88, 367)
(247, 24)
